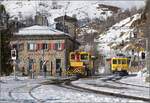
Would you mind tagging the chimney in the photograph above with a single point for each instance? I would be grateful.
(41, 19)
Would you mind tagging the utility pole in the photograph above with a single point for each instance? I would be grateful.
(65, 57)
(147, 57)
(43, 47)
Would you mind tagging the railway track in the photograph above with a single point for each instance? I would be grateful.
(29, 92)
(116, 79)
(67, 84)
(130, 84)
(33, 100)
(36, 99)
(11, 91)
(37, 86)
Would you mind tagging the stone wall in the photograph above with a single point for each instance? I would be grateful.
(38, 55)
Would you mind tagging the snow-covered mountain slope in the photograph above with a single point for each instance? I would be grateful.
(87, 30)
(82, 9)
(118, 33)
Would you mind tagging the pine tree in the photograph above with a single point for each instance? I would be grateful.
(5, 52)
(5, 36)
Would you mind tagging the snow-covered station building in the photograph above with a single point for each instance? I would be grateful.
(38, 44)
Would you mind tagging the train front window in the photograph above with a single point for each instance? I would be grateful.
(72, 56)
(124, 61)
(114, 61)
(119, 61)
(77, 56)
(84, 56)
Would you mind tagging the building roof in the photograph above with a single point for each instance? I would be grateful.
(39, 30)
(66, 18)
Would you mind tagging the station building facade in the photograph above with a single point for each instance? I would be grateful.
(37, 44)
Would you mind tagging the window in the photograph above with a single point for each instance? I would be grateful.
(58, 46)
(143, 55)
(18, 46)
(119, 61)
(114, 61)
(124, 61)
(84, 56)
(45, 46)
(31, 46)
(72, 56)
(77, 56)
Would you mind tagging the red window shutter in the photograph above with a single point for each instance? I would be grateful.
(53, 44)
(62, 46)
(41, 46)
(37, 46)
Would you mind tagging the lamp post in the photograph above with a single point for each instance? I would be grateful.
(65, 51)
(33, 67)
(43, 59)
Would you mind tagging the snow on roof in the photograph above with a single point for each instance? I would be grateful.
(39, 30)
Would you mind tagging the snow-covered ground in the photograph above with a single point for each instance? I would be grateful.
(12, 90)
(131, 85)
(52, 93)
(139, 81)
(25, 90)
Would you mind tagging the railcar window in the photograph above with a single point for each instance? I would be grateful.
(77, 56)
(114, 61)
(84, 56)
(124, 61)
(72, 56)
(119, 61)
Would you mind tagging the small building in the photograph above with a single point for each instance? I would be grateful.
(41, 19)
(67, 24)
(37, 44)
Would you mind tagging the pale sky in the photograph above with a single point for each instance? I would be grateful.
(124, 3)
(120, 3)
